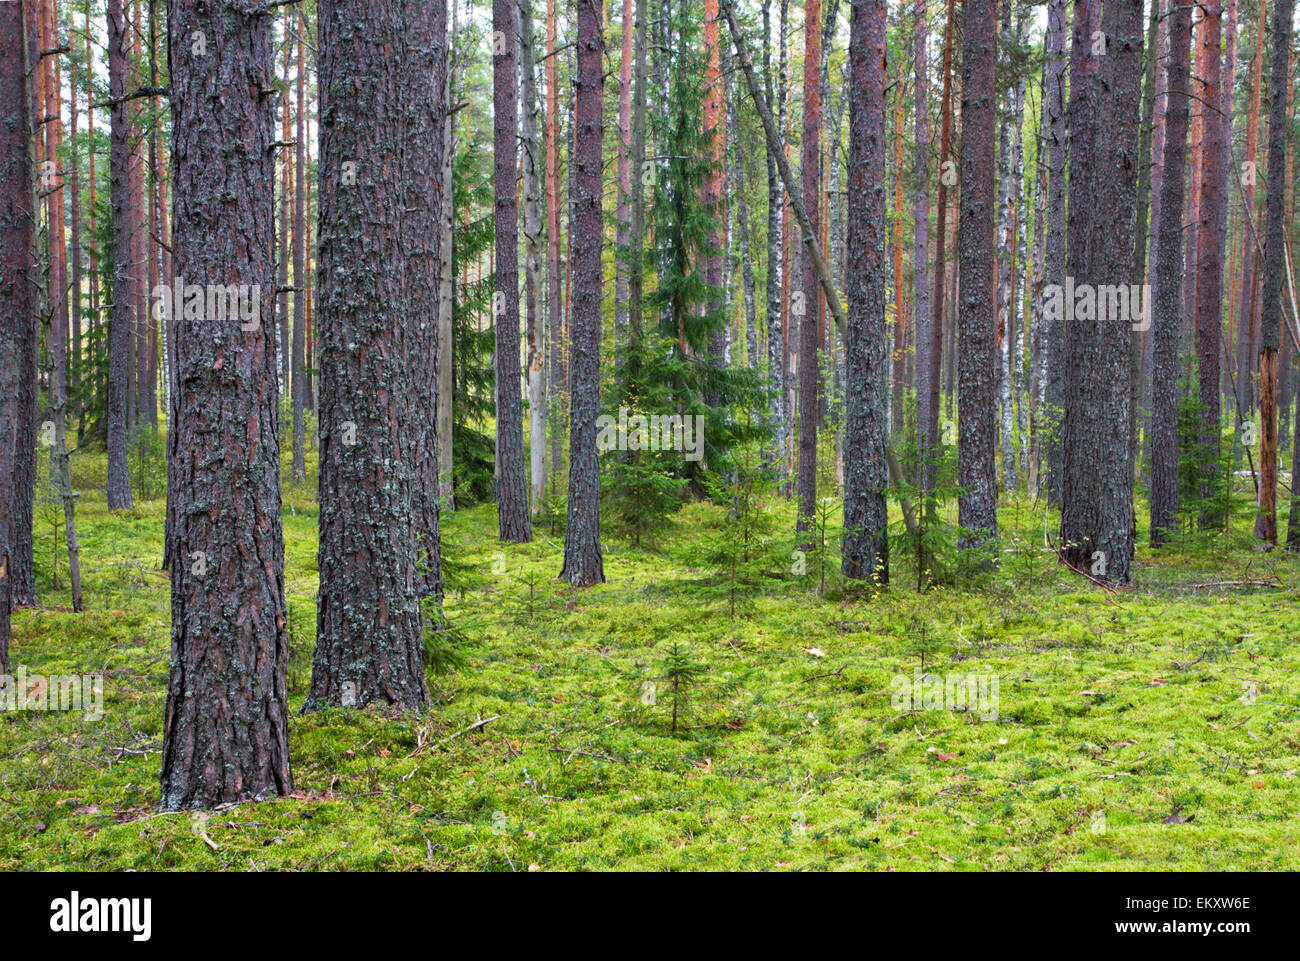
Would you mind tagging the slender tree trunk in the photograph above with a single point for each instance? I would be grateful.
(977, 317)
(808, 296)
(928, 391)
(866, 470)
(774, 299)
(1246, 338)
(1169, 271)
(225, 736)
(1054, 265)
(119, 339)
(369, 623)
(711, 195)
(927, 371)
(300, 282)
(1275, 271)
(536, 327)
(446, 280)
(1209, 256)
(583, 562)
(514, 523)
(623, 212)
(557, 377)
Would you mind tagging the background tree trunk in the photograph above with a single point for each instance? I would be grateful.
(514, 523)
(808, 292)
(1168, 288)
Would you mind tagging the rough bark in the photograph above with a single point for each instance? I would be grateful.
(977, 309)
(583, 562)
(556, 374)
(1097, 501)
(927, 370)
(866, 471)
(1275, 271)
(1209, 252)
(1054, 265)
(17, 290)
(225, 736)
(1168, 287)
(514, 523)
(300, 282)
(119, 337)
(369, 621)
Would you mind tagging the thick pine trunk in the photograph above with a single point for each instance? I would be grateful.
(1097, 501)
(225, 737)
(927, 370)
(866, 435)
(583, 562)
(369, 622)
(17, 292)
(977, 311)
(1054, 261)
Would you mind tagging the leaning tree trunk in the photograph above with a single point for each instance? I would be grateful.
(225, 737)
(583, 562)
(119, 335)
(1275, 271)
(1168, 288)
(369, 623)
(1097, 502)
(977, 320)
(514, 524)
(866, 433)
(17, 288)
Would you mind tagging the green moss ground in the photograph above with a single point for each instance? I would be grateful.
(1116, 712)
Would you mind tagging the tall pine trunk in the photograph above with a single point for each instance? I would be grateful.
(977, 311)
(1168, 286)
(119, 337)
(866, 435)
(808, 301)
(369, 643)
(583, 561)
(225, 736)
(514, 524)
(1275, 271)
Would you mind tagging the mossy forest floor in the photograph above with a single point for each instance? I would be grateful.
(1157, 728)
